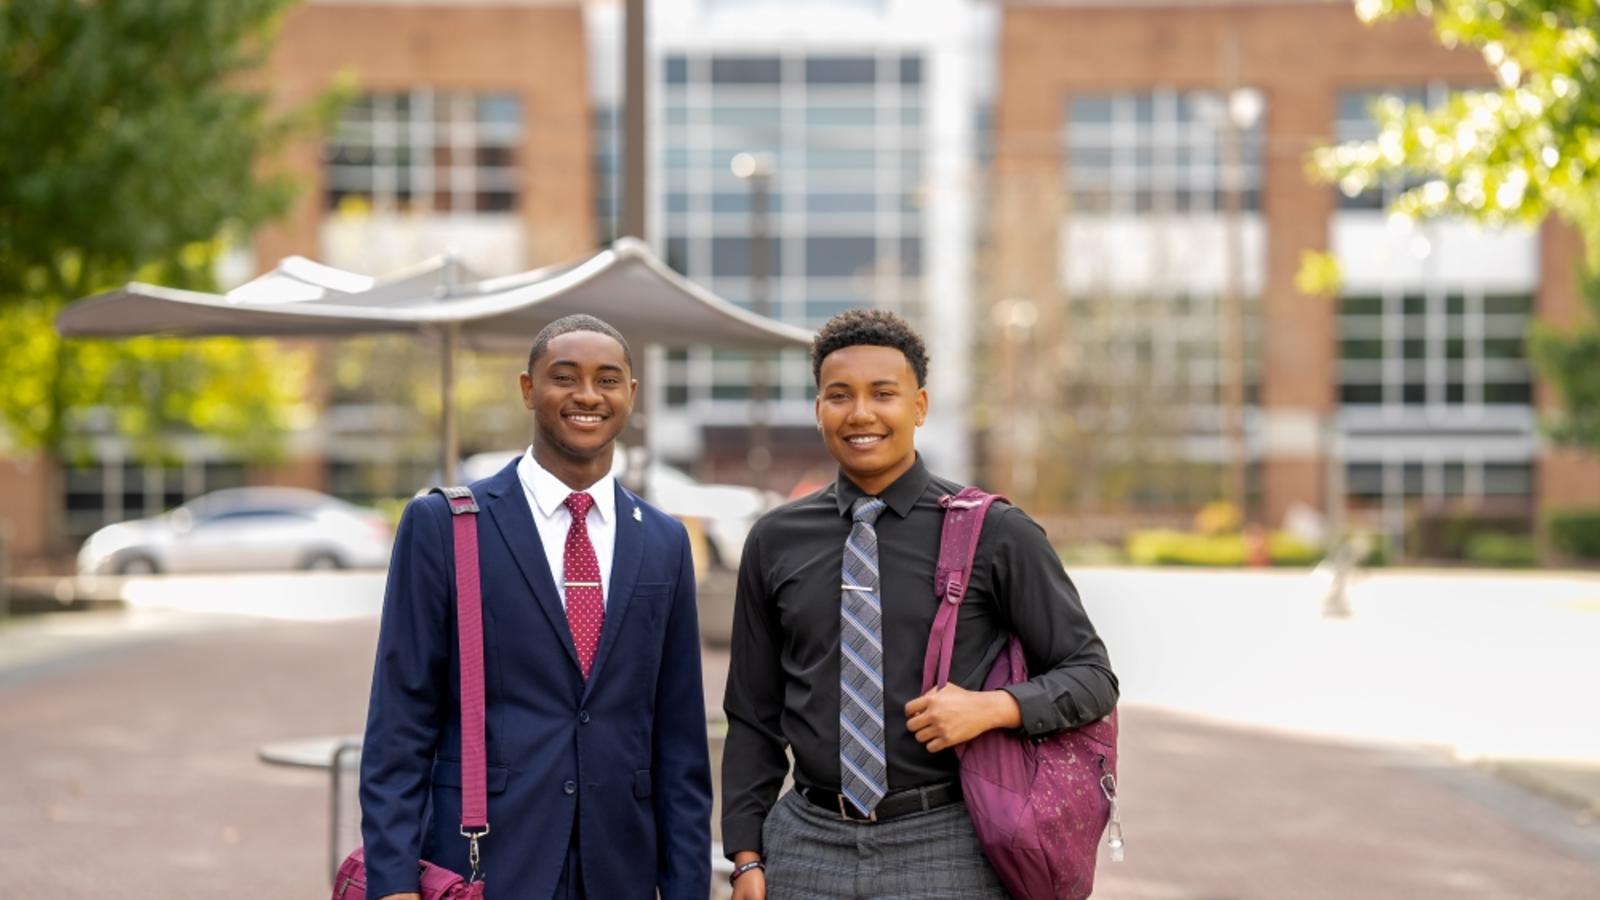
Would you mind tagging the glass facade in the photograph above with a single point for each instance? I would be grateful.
(845, 136)
(1435, 349)
(1159, 151)
(1143, 364)
(425, 150)
(1434, 385)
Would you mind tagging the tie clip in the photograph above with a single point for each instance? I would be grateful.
(573, 584)
(851, 587)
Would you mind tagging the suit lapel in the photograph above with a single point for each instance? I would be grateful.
(625, 560)
(508, 506)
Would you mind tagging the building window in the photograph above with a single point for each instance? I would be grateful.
(842, 70)
(676, 70)
(424, 150)
(104, 492)
(1153, 364)
(746, 70)
(607, 174)
(1434, 350)
(847, 137)
(1457, 478)
(1356, 122)
(1160, 152)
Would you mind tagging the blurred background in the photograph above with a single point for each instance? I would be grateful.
(1237, 285)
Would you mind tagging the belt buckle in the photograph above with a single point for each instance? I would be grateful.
(846, 804)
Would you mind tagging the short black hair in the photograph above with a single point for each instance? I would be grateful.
(874, 327)
(569, 324)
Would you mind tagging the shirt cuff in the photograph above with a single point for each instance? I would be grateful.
(741, 834)
(1040, 715)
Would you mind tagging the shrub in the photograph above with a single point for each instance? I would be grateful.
(1177, 548)
(1512, 551)
(1217, 518)
(1092, 553)
(1575, 533)
(1445, 534)
(1287, 550)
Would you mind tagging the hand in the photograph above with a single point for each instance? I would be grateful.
(951, 715)
(751, 885)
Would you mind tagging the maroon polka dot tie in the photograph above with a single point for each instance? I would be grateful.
(586, 604)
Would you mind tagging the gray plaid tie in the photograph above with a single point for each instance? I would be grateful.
(863, 767)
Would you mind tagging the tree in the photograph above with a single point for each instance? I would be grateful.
(1515, 153)
(132, 144)
(1570, 359)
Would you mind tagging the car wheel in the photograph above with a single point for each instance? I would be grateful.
(323, 562)
(138, 565)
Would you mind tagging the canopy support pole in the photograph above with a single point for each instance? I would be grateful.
(450, 451)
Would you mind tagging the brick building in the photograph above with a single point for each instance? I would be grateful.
(1116, 238)
(1066, 195)
(469, 127)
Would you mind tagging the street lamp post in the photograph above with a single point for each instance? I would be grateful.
(1240, 110)
(755, 169)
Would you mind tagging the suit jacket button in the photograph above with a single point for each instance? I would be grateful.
(569, 788)
(583, 716)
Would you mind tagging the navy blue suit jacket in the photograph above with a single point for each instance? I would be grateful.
(624, 752)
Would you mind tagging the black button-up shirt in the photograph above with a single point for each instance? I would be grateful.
(783, 681)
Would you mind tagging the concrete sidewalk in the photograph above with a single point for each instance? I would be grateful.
(136, 770)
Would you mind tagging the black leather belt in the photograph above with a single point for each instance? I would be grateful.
(892, 806)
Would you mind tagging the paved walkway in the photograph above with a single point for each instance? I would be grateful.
(133, 766)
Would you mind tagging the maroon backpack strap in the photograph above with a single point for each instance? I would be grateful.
(958, 543)
(469, 635)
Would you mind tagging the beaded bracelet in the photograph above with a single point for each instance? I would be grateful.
(746, 867)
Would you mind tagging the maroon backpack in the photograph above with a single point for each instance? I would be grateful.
(1039, 805)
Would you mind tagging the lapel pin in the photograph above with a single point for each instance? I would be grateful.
(637, 516)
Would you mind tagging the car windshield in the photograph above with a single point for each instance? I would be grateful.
(255, 501)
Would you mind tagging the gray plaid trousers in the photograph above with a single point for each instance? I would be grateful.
(813, 855)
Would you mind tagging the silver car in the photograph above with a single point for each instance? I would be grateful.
(243, 530)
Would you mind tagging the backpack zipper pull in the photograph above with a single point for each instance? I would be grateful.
(1108, 785)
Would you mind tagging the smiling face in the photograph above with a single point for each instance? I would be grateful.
(868, 409)
(581, 392)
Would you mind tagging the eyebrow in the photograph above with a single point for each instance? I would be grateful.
(882, 382)
(607, 367)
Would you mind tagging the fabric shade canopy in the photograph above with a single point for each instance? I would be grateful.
(625, 284)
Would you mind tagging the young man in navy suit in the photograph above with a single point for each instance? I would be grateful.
(598, 773)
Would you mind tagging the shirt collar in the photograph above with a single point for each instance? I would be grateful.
(901, 496)
(550, 493)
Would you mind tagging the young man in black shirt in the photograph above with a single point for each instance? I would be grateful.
(835, 602)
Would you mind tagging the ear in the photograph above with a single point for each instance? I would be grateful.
(922, 405)
(525, 381)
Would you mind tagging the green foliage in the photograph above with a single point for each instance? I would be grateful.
(1448, 534)
(151, 389)
(1570, 362)
(1575, 533)
(1217, 517)
(1177, 548)
(132, 147)
(1092, 553)
(125, 136)
(1509, 154)
(1507, 551)
(1514, 153)
(1318, 275)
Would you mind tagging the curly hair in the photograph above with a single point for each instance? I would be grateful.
(569, 324)
(874, 327)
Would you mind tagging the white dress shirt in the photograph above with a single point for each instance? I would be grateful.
(547, 497)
